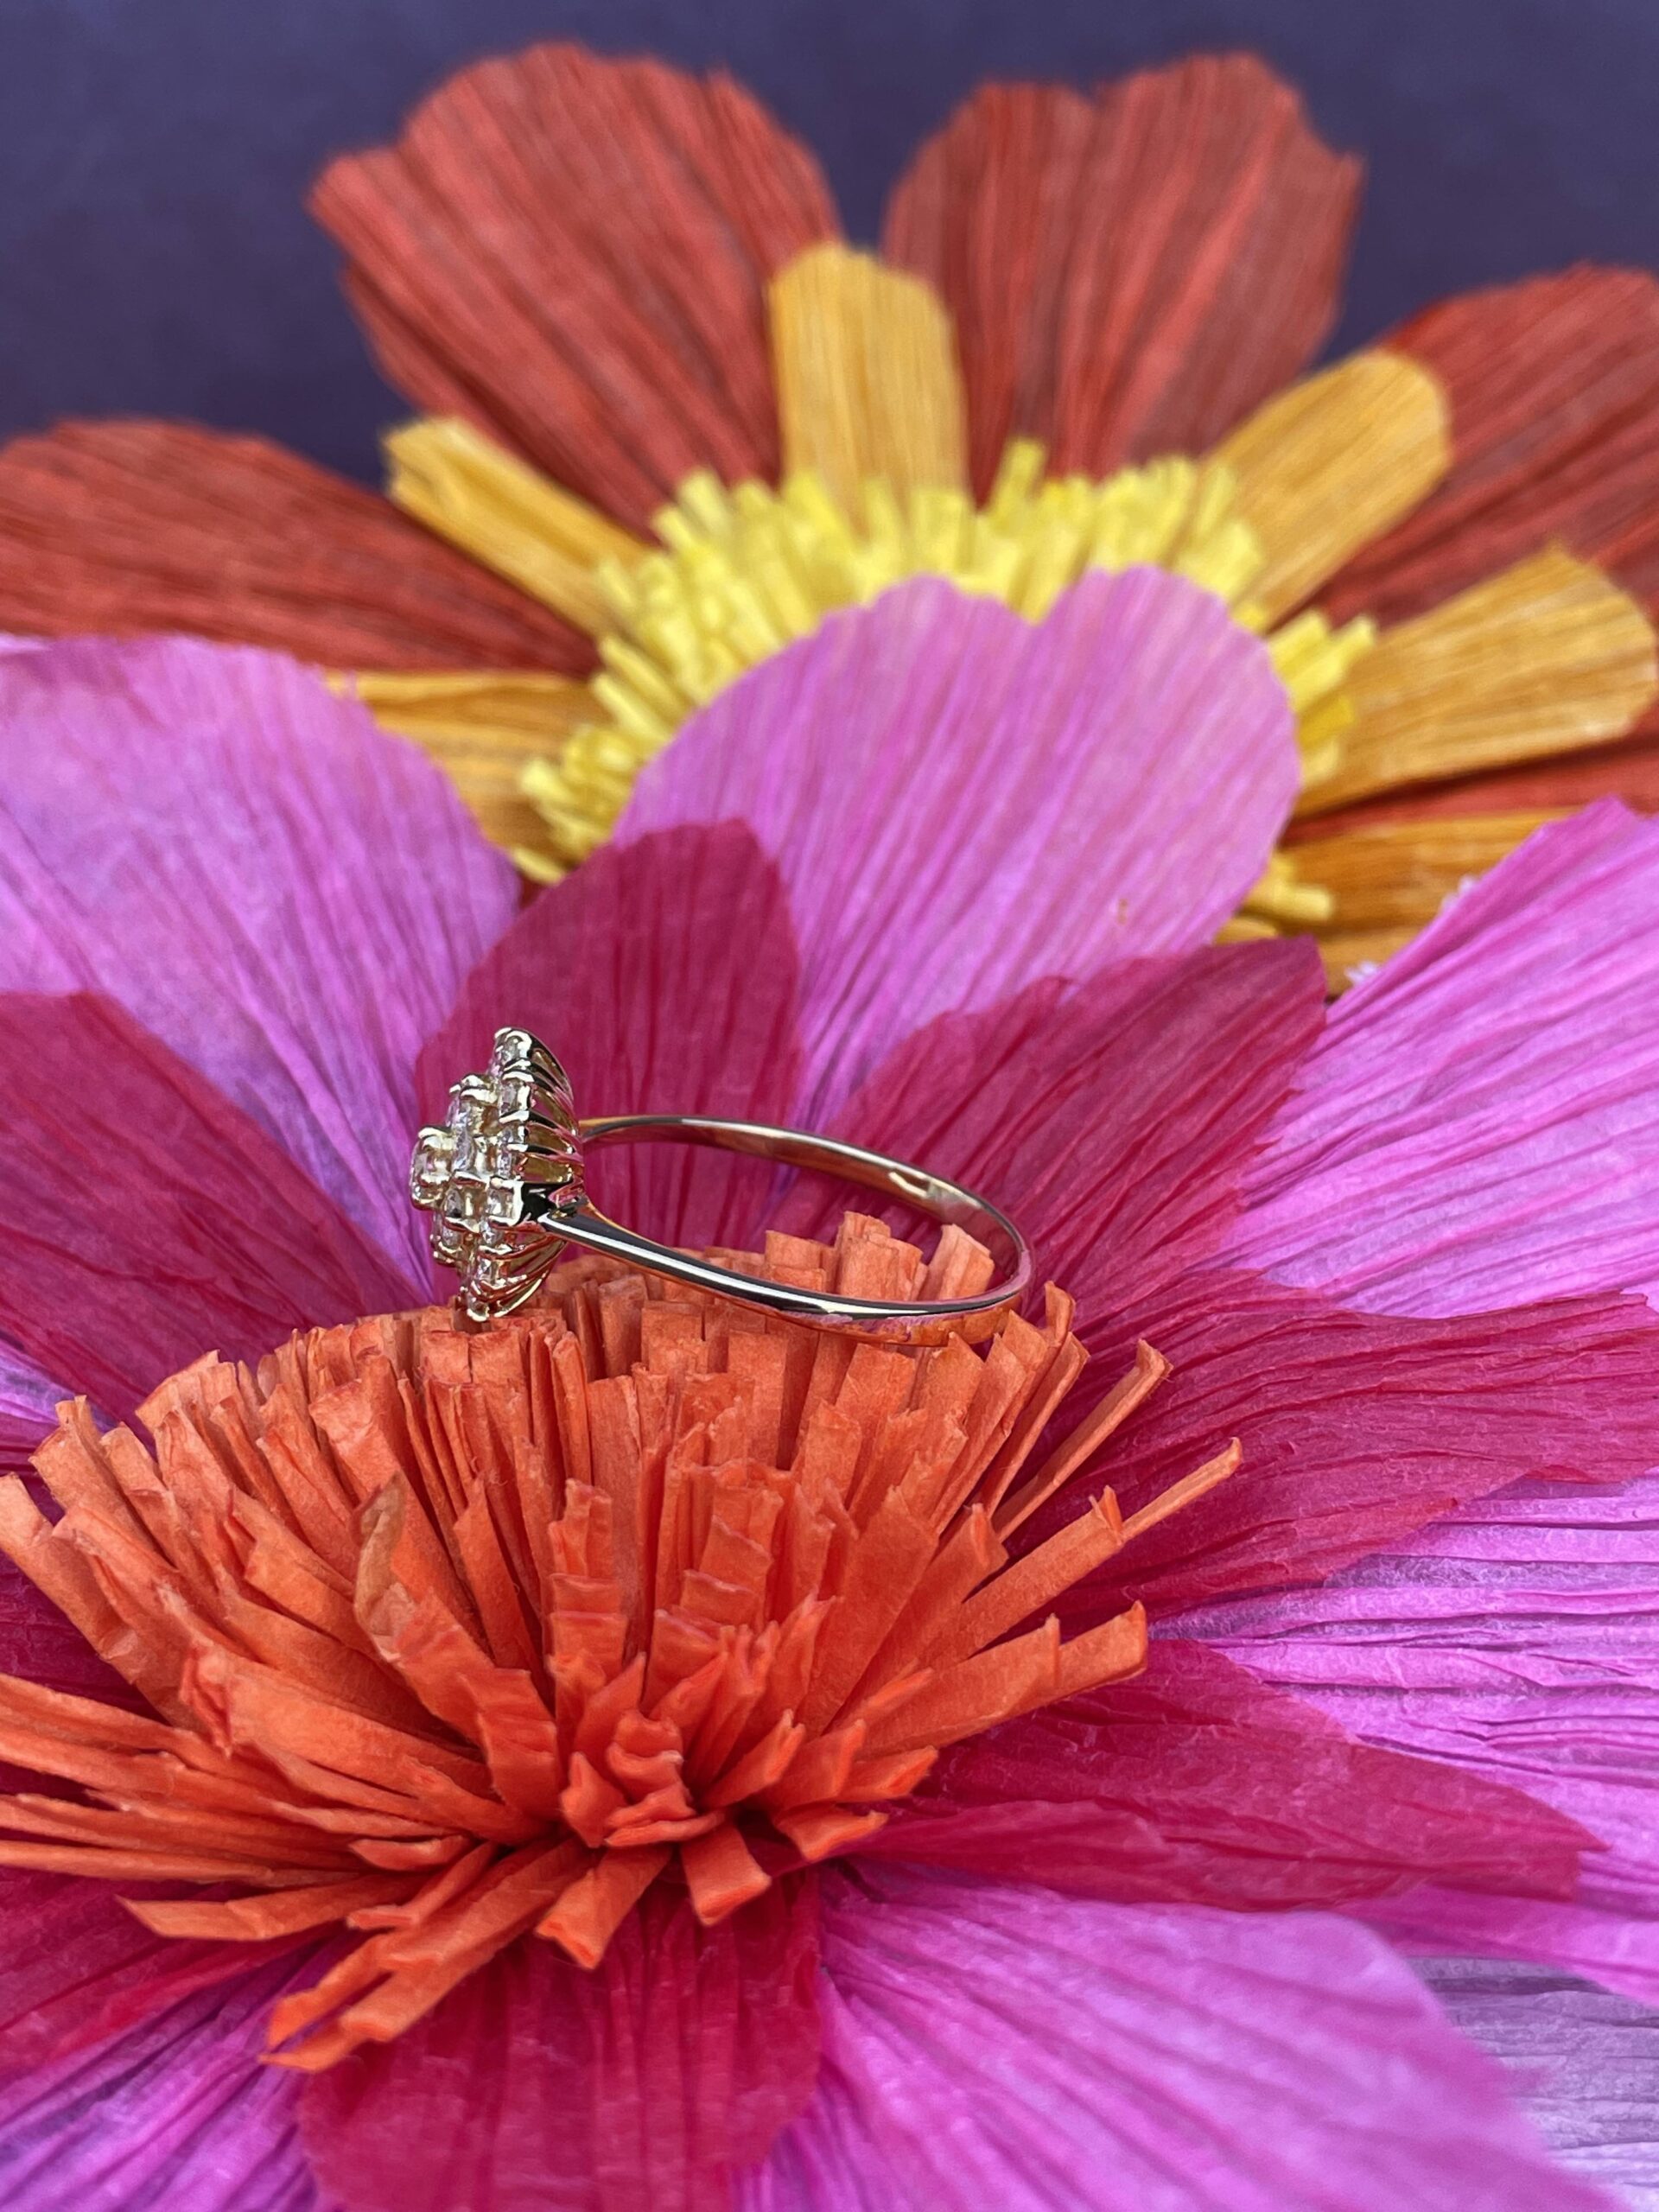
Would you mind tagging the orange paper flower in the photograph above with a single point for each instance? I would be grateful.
(517, 1619)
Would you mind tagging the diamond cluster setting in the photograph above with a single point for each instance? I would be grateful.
(498, 1173)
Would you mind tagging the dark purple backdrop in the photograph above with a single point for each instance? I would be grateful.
(155, 259)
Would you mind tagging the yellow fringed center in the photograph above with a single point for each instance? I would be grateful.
(743, 573)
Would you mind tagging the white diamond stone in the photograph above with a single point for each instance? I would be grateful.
(504, 1203)
(430, 1169)
(514, 1095)
(513, 1048)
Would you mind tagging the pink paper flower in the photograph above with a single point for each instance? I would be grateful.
(943, 882)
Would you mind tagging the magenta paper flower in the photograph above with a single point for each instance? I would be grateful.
(942, 881)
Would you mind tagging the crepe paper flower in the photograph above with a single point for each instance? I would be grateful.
(1140, 1945)
(671, 418)
(767, 1638)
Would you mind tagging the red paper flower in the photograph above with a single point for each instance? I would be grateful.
(1113, 1951)
(672, 420)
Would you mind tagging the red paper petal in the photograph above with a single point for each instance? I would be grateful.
(1355, 1428)
(147, 1219)
(1130, 275)
(76, 1967)
(539, 2087)
(121, 528)
(573, 253)
(1554, 391)
(1198, 1784)
(664, 975)
(26, 1399)
(42, 1645)
(1114, 1123)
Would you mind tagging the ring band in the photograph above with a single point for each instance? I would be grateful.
(504, 1178)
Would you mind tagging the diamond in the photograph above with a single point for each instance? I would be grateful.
(471, 1102)
(430, 1169)
(450, 1246)
(513, 1049)
(504, 1202)
(494, 1271)
(514, 1095)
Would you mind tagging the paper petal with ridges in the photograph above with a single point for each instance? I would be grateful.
(1324, 467)
(865, 359)
(1548, 658)
(505, 514)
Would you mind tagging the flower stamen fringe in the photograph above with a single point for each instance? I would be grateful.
(453, 1637)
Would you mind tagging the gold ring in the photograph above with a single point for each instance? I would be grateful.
(505, 1180)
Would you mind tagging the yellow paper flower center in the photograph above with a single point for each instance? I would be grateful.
(743, 573)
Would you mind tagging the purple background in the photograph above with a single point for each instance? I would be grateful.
(154, 256)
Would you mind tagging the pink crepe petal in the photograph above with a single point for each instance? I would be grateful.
(149, 1220)
(177, 2111)
(993, 2046)
(538, 2088)
(1610, 1949)
(283, 893)
(663, 973)
(1114, 1123)
(1197, 1784)
(961, 802)
(1522, 1640)
(1357, 1428)
(1584, 2063)
(1479, 1125)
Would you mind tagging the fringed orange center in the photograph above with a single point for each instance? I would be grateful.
(455, 1637)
